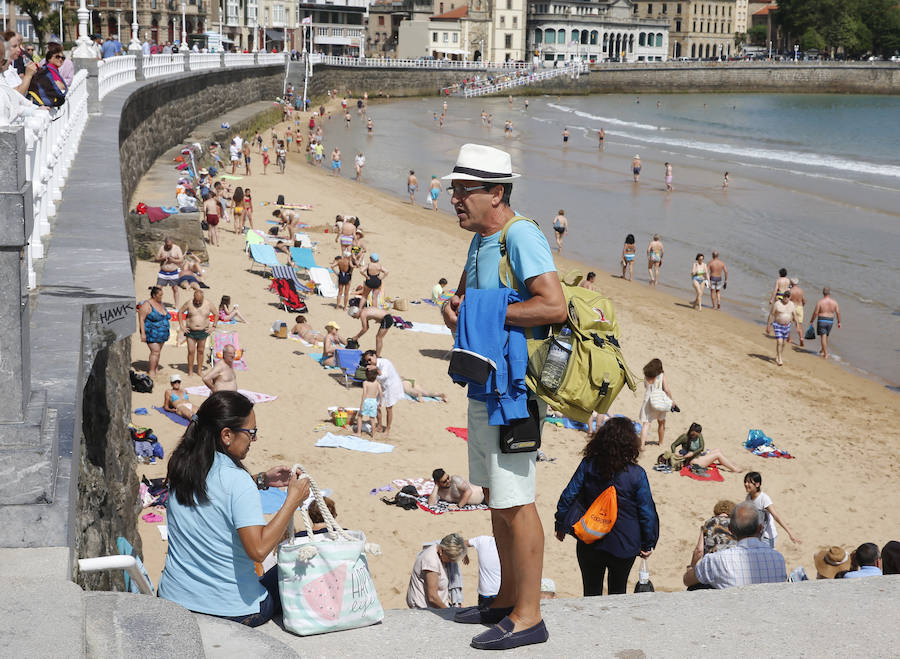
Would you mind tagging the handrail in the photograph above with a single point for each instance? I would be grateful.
(574, 69)
(387, 62)
(154, 66)
(203, 61)
(113, 72)
(117, 562)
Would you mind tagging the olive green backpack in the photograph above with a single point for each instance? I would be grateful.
(596, 371)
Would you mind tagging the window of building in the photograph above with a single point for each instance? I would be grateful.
(649, 8)
(635, 8)
(549, 36)
(381, 20)
(507, 40)
(561, 36)
(665, 8)
(446, 37)
(642, 39)
(659, 40)
(678, 26)
(434, 37)
(538, 36)
(509, 4)
(456, 37)
(678, 9)
(594, 35)
(441, 8)
(515, 21)
(503, 21)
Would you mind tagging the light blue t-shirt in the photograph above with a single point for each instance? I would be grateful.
(207, 569)
(529, 256)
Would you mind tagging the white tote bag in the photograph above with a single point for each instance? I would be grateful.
(324, 579)
(659, 401)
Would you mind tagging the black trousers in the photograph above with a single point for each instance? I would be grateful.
(595, 563)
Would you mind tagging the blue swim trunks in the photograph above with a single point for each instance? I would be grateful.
(369, 407)
(434, 193)
(335, 164)
(782, 332)
(824, 325)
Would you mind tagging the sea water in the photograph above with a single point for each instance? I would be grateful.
(814, 188)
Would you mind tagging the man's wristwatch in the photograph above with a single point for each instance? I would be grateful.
(262, 483)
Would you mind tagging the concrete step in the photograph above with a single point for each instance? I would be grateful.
(843, 618)
(29, 457)
(223, 639)
(43, 616)
(129, 625)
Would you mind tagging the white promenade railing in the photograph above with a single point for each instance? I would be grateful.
(387, 62)
(48, 159)
(154, 66)
(264, 59)
(203, 61)
(113, 72)
(520, 80)
(240, 59)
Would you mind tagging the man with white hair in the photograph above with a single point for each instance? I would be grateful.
(480, 189)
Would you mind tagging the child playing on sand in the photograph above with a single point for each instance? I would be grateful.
(228, 313)
(371, 401)
(753, 485)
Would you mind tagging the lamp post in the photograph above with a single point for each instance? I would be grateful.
(796, 51)
(183, 25)
(91, 17)
(135, 44)
(119, 25)
(253, 19)
(83, 47)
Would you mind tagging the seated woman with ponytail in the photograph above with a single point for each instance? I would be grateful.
(215, 520)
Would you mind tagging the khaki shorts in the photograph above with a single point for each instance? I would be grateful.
(798, 315)
(510, 476)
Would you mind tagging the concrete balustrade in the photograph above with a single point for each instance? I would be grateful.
(154, 66)
(203, 61)
(114, 72)
(574, 70)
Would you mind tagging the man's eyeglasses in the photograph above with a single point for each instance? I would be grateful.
(250, 431)
(460, 191)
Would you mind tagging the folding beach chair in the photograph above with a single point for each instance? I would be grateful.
(348, 362)
(324, 283)
(263, 255)
(253, 237)
(222, 339)
(290, 299)
(303, 257)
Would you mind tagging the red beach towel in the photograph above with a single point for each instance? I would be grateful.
(712, 474)
(156, 213)
(462, 433)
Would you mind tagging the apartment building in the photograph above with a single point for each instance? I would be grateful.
(338, 26)
(697, 30)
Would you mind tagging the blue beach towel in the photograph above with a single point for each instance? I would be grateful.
(264, 255)
(172, 416)
(353, 443)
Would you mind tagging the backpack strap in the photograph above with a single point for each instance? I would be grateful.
(507, 276)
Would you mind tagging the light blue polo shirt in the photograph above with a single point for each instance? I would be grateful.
(529, 256)
(207, 569)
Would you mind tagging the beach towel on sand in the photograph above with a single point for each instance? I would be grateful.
(429, 328)
(712, 474)
(180, 420)
(462, 433)
(254, 396)
(353, 443)
(567, 423)
(424, 486)
(442, 507)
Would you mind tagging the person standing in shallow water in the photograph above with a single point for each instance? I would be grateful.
(636, 168)
(654, 258)
(560, 228)
(669, 177)
(628, 254)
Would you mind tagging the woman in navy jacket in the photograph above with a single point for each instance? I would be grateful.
(610, 458)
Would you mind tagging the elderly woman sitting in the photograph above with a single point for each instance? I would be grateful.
(429, 585)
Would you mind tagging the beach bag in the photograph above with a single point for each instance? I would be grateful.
(659, 401)
(324, 579)
(596, 370)
(141, 382)
(45, 91)
(810, 333)
(599, 518)
(644, 585)
(279, 201)
(671, 460)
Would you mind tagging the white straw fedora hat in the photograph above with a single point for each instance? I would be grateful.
(477, 162)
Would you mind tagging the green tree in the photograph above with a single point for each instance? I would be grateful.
(757, 35)
(811, 39)
(36, 10)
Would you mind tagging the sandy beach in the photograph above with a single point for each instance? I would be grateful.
(721, 370)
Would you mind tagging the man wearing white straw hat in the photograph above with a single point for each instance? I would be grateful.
(480, 189)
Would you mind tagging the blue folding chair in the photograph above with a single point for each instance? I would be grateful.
(348, 362)
(263, 255)
(303, 257)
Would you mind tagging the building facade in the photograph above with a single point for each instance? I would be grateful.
(595, 31)
(697, 30)
(338, 26)
(383, 27)
(508, 25)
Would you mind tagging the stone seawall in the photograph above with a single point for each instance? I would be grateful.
(674, 77)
